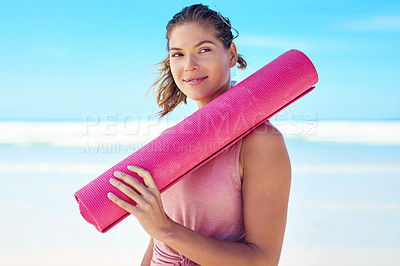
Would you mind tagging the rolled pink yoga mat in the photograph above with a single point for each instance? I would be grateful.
(206, 133)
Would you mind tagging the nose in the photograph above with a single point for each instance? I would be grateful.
(191, 64)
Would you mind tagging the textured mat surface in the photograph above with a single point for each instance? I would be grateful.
(203, 135)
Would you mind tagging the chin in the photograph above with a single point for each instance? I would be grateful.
(199, 97)
(196, 98)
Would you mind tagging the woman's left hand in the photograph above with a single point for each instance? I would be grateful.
(149, 209)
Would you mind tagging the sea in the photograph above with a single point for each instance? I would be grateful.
(344, 206)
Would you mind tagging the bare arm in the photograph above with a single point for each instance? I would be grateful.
(266, 186)
(149, 254)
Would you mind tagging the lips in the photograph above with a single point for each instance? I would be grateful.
(194, 80)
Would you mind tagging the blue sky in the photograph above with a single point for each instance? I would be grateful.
(70, 59)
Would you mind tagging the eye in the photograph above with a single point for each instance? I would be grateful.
(176, 54)
(205, 50)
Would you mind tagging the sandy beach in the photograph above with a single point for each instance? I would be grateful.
(344, 207)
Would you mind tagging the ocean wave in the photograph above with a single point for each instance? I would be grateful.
(382, 168)
(81, 134)
(53, 168)
(346, 132)
(98, 168)
(138, 133)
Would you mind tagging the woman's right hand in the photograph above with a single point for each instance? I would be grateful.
(149, 209)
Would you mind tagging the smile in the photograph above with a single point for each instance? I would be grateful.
(195, 80)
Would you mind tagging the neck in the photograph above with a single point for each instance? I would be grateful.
(202, 103)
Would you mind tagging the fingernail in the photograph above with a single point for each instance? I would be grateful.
(113, 181)
(130, 167)
(110, 195)
(116, 173)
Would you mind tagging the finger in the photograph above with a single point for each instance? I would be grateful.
(147, 178)
(130, 192)
(130, 180)
(121, 203)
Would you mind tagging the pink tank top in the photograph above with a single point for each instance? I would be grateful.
(208, 201)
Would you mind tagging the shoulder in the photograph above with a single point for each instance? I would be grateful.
(265, 134)
(262, 147)
(265, 189)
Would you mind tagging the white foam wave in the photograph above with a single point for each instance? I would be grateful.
(137, 133)
(362, 206)
(346, 168)
(81, 134)
(94, 169)
(357, 132)
(53, 168)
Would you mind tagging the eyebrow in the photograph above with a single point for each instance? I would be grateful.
(197, 45)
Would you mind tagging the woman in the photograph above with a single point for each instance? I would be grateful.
(232, 210)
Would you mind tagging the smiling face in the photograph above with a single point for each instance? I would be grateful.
(200, 64)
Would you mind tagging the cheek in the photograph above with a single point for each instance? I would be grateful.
(175, 72)
(222, 69)
(176, 75)
(222, 65)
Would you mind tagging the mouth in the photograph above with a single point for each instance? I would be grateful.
(194, 80)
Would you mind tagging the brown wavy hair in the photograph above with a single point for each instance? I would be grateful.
(169, 96)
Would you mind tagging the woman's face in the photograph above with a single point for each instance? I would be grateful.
(200, 64)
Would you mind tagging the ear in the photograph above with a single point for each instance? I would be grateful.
(233, 56)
